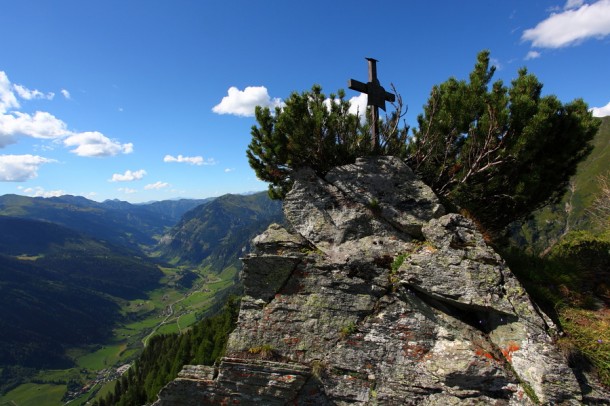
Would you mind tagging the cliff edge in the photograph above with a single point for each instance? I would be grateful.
(375, 296)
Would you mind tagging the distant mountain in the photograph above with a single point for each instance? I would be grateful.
(217, 232)
(174, 209)
(60, 288)
(118, 222)
(548, 225)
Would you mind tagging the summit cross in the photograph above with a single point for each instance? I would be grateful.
(376, 97)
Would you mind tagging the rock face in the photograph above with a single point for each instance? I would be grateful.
(376, 297)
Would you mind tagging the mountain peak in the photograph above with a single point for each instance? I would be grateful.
(372, 295)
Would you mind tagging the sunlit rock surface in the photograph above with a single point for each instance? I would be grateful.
(331, 317)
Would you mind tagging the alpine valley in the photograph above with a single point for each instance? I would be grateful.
(84, 285)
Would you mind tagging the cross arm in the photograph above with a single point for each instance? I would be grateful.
(390, 97)
(357, 86)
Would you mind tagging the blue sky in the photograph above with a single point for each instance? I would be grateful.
(151, 100)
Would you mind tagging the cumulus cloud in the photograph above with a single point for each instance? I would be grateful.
(40, 192)
(191, 160)
(7, 96)
(96, 144)
(532, 55)
(156, 186)
(578, 22)
(127, 190)
(65, 93)
(28, 94)
(128, 176)
(358, 104)
(601, 111)
(242, 102)
(19, 168)
(39, 125)
(45, 125)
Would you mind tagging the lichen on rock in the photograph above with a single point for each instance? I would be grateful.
(327, 320)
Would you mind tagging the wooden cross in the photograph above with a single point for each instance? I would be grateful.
(376, 97)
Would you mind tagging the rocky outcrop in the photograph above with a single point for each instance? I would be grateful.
(374, 296)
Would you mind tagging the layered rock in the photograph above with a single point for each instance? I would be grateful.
(375, 297)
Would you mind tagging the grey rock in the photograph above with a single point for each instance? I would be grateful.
(197, 372)
(457, 268)
(328, 320)
(401, 199)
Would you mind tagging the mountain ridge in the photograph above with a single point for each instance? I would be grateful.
(118, 222)
(215, 233)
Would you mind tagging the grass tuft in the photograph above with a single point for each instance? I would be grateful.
(347, 330)
(588, 334)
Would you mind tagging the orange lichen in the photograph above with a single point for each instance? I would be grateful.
(415, 351)
(482, 353)
(287, 378)
(291, 340)
(509, 350)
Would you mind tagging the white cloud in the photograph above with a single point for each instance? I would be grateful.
(127, 190)
(156, 186)
(191, 160)
(227, 170)
(19, 168)
(40, 125)
(66, 94)
(45, 125)
(7, 97)
(40, 192)
(532, 55)
(601, 111)
(96, 144)
(28, 94)
(128, 176)
(242, 102)
(571, 4)
(358, 104)
(571, 26)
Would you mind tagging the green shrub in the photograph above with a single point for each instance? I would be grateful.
(398, 261)
(348, 329)
(265, 350)
(374, 206)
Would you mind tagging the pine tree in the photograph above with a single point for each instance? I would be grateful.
(498, 152)
(313, 131)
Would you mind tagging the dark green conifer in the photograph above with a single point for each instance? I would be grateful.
(499, 152)
(314, 131)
